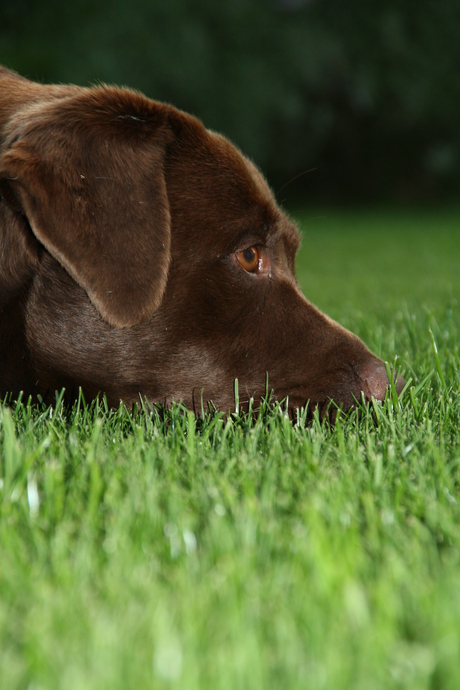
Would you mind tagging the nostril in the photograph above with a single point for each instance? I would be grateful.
(376, 381)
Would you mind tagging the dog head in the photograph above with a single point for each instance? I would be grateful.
(149, 256)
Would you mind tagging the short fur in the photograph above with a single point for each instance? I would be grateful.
(120, 223)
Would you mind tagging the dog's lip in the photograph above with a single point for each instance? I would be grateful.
(297, 396)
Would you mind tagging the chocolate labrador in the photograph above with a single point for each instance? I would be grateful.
(142, 254)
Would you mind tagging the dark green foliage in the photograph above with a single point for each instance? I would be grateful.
(365, 93)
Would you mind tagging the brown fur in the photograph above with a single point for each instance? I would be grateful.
(120, 223)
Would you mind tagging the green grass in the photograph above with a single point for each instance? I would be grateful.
(147, 550)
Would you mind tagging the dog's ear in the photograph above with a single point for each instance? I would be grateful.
(87, 172)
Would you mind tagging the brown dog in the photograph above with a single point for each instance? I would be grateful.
(142, 254)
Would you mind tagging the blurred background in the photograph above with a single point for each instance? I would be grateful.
(337, 102)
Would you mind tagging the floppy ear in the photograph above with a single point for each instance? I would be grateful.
(87, 172)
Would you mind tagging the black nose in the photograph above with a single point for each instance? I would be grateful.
(376, 382)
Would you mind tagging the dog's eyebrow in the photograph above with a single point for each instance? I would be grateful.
(250, 233)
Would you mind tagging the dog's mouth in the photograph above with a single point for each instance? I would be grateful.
(327, 406)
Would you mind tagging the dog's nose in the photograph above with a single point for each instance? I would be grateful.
(376, 381)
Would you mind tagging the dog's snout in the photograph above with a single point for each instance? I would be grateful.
(376, 381)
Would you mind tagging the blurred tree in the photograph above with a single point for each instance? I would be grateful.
(365, 93)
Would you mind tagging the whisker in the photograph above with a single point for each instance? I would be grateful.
(296, 177)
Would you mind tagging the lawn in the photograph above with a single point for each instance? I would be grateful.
(155, 550)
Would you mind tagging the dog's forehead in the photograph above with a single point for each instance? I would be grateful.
(213, 186)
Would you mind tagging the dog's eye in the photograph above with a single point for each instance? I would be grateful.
(249, 259)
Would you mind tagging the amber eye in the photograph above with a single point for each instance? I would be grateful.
(249, 258)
